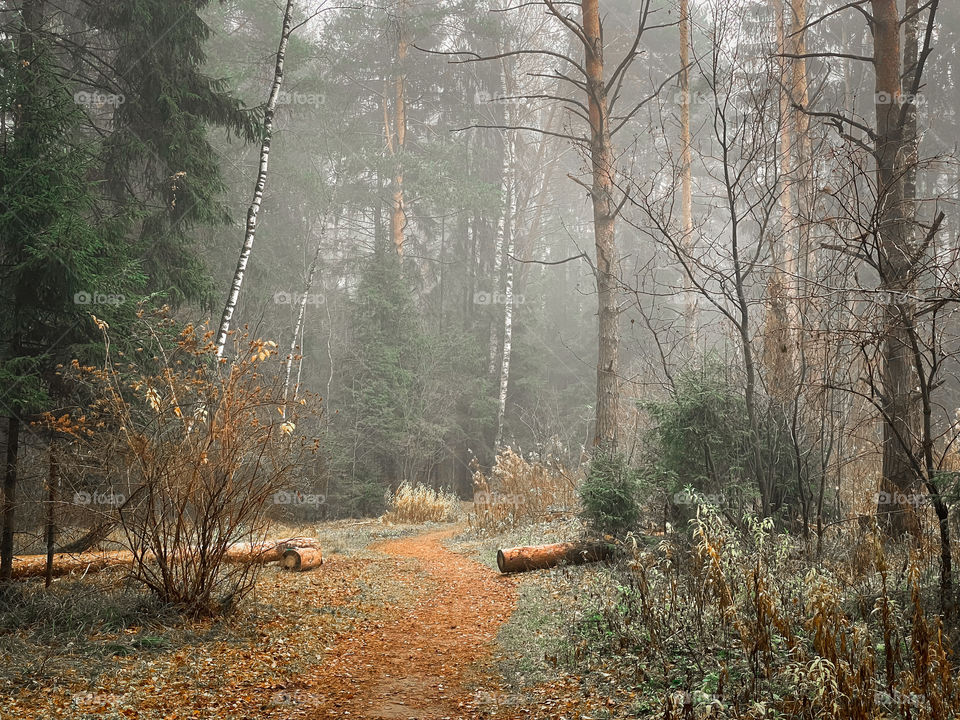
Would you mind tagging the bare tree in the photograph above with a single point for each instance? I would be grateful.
(595, 96)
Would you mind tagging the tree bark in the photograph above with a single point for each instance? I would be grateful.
(507, 308)
(397, 135)
(53, 485)
(9, 499)
(27, 566)
(896, 210)
(541, 557)
(686, 171)
(604, 221)
(298, 327)
(253, 211)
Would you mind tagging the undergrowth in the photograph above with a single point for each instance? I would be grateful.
(718, 624)
(520, 492)
(421, 504)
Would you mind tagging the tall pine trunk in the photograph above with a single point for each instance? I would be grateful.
(396, 132)
(780, 331)
(893, 153)
(32, 13)
(686, 193)
(9, 498)
(604, 223)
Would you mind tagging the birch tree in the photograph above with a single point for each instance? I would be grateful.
(253, 212)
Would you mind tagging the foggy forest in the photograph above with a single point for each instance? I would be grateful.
(479, 359)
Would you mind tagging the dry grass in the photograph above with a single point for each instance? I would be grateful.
(519, 492)
(422, 504)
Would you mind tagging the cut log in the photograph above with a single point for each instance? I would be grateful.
(541, 557)
(27, 566)
(268, 551)
(300, 558)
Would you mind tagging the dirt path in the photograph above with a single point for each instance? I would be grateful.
(416, 659)
(401, 632)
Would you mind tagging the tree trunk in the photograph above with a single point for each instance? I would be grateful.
(397, 135)
(298, 327)
(896, 212)
(27, 566)
(53, 485)
(507, 306)
(505, 221)
(300, 558)
(541, 557)
(604, 222)
(268, 550)
(32, 12)
(779, 336)
(9, 499)
(800, 98)
(686, 171)
(253, 211)
(498, 247)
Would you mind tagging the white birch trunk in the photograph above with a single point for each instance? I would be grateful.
(508, 300)
(298, 328)
(254, 209)
(498, 253)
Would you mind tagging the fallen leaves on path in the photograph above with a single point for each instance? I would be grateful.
(400, 634)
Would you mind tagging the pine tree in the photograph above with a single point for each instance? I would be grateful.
(53, 256)
(159, 164)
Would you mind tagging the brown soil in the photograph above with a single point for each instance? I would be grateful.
(421, 658)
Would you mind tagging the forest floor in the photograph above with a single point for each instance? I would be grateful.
(394, 625)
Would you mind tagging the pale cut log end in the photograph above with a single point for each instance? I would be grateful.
(300, 559)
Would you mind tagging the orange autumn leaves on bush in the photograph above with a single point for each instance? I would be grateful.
(198, 447)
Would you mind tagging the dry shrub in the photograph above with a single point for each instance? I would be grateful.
(194, 446)
(420, 504)
(519, 492)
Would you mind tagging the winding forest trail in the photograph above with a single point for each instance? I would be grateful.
(417, 656)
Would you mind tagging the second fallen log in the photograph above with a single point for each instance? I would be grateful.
(541, 557)
(300, 559)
